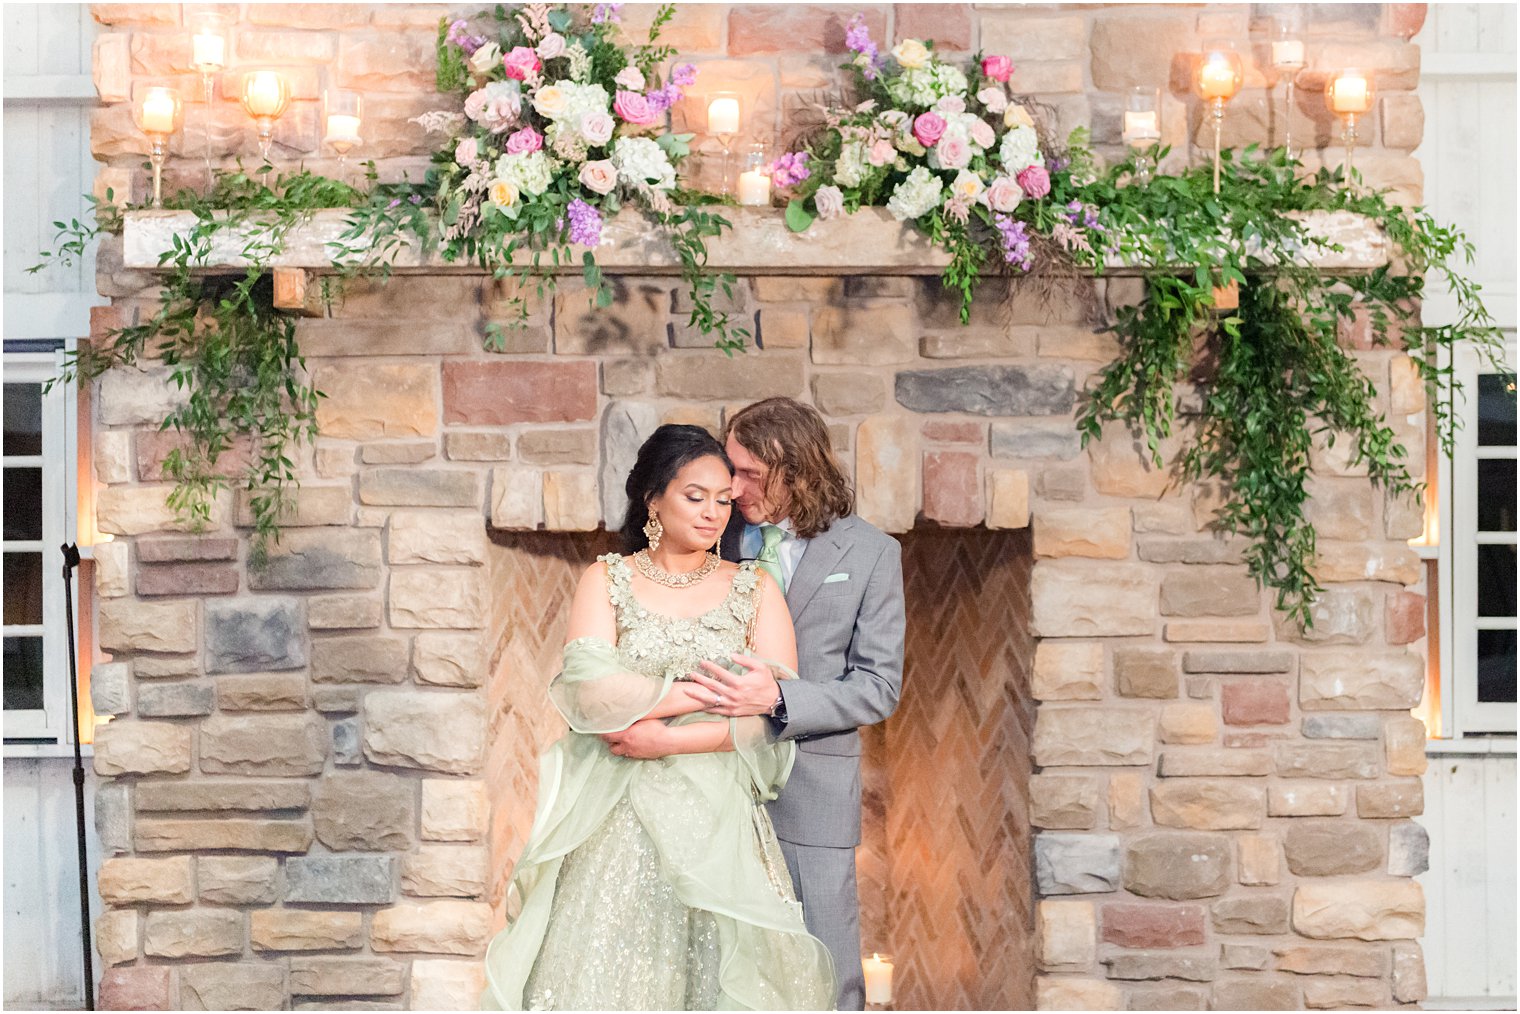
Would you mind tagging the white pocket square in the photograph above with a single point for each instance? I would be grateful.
(836, 577)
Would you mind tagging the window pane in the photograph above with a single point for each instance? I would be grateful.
(23, 674)
(23, 588)
(1496, 494)
(1496, 580)
(1496, 667)
(1496, 411)
(23, 419)
(23, 503)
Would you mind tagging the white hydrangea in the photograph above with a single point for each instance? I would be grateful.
(949, 80)
(850, 168)
(915, 88)
(1020, 150)
(641, 160)
(581, 99)
(530, 172)
(917, 195)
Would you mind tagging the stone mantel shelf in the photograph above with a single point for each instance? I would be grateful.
(868, 242)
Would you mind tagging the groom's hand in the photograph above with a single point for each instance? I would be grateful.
(738, 695)
(643, 740)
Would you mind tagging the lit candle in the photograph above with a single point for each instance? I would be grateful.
(1349, 94)
(209, 51)
(264, 95)
(878, 973)
(158, 108)
(1288, 53)
(754, 188)
(1216, 78)
(723, 116)
(1141, 128)
(342, 129)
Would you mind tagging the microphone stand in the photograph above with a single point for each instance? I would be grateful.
(70, 562)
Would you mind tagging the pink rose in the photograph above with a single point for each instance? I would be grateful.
(952, 152)
(634, 108)
(550, 46)
(981, 134)
(995, 99)
(881, 153)
(631, 78)
(522, 63)
(928, 128)
(523, 141)
(829, 201)
(467, 151)
(1035, 181)
(1004, 195)
(599, 176)
(950, 104)
(596, 127)
(999, 68)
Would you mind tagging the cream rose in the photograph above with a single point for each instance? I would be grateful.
(597, 128)
(503, 194)
(599, 176)
(550, 102)
(1017, 116)
(910, 54)
(968, 186)
(485, 59)
(1004, 194)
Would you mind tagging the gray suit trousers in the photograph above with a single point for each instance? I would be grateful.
(824, 879)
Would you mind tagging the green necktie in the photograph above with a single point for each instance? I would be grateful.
(769, 558)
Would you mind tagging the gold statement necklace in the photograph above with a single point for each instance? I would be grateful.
(652, 570)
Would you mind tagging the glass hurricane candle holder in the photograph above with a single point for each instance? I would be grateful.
(723, 123)
(1220, 74)
(1349, 95)
(1287, 53)
(208, 56)
(158, 112)
(343, 112)
(266, 96)
(877, 970)
(754, 178)
(1142, 129)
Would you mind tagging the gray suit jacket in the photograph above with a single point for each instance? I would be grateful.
(850, 657)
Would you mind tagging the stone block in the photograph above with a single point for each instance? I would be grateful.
(1142, 672)
(1403, 798)
(1099, 533)
(635, 324)
(1072, 598)
(185, 550)
(309, 506)
(699, 376)
(1350, 726)
(1177, 866)
(340, 880)
(1135, 965)
(128, 880)
(886, 472)
(1211, 549)
(1044, 389)
(1126, 800)
(1035, 441)
(1238, 662)
(1063, 801)
(1403, 746)
(347, 743)
(1256, 992)
(137, 987)
(1244, 957)
(1325, 760)
(446, 871)
(1066, 934)
(291, 929)
(442, 984)
(407, 452)
(1069, 993)
(222, 794)
(113, 817)
(1306, 799)
(1340, 994)
(570, 501)
(117, 936)
(1360, 680)
(166, 627)
(1189, 722)
(256, 634)
(516, 498)
(1093, 736)
(343, 612)
(557, 447)
(1208, 804)
(452, 597)
(1333, 959)
(1007, 498)
(1153, 925)
(1356, 561)
(187, 579)
(111, 688)
(176, 700)
(237, 880)
(625, 426)
(1408, 968)
(1228, 762)
(433, 927)
(1076, 863)
(141, 748)
(1209, 591)
(1259, 858)
(778, 328)
(138, 397)
(454, 810)
(111, 569)
(158, 667)
(360, 658)
(419, 487)
(970, 342)
(1339, 615)
(1254, 702)
(262, 692)
(231, 986)
(447, 659)
(222, 833)
(1067, 483)
(1404, 617)
(952, 491)
(477, 445)
(1218, 631)
(1068, 671)
(1139, 48)
(342, 977)
(869, 334)
(1360, 909)
(369, 400)
(194, 933)
(364, 812)
(1122, 466)
(1408, 849)
(429, 731)
(280, 745)
(1256, 912)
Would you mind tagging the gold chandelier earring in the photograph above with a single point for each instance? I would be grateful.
(653, 530)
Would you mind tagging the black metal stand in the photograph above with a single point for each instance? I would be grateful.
(70, 563)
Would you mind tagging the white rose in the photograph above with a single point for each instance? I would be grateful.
(995, 99)
(597, 127)
(1004, 194)
(910, 53)
(968, 186)
(630, 78)
(550, 46)
(485, 59)
(599, 176)
(829, 201)
(550, 102)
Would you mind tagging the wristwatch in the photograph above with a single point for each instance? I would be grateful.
(777, 712)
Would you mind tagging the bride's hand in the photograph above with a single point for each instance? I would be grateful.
(647, 739)
(736, 695)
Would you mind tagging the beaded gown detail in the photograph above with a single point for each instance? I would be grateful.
(655, 884)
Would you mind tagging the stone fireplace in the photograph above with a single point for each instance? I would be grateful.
(1117, 777)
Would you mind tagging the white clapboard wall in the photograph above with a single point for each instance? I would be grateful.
(48, 96)
(1467, 86)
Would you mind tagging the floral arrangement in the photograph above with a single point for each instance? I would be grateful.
(947, 149)
(561, 125)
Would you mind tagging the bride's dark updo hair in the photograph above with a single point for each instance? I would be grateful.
(668, 450)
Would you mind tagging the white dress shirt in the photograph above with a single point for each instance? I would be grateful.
(790, 549)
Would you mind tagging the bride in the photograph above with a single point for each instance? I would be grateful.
(658, 884)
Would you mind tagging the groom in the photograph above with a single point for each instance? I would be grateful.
(843, 583)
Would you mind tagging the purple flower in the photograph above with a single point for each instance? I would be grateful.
(396, 203)
(585, 223)
(789, 170)
(1056, 163)
(1015, 239)
(858, 38)
(459, 36)
(607, 13)
(683, 75)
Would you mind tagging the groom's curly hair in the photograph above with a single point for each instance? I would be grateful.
(793, 441)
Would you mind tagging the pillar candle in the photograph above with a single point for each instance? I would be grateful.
(1349, 94)
(1216, 79)
(878, 973)
(158, 111)
(342, 129)
(723, 116)
(1288, 53)
(1141, 128)
(263, 94)
(754, 188)
(209, 49)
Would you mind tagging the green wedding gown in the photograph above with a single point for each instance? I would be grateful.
(655, 884)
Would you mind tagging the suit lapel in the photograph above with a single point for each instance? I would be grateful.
(817, 563)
